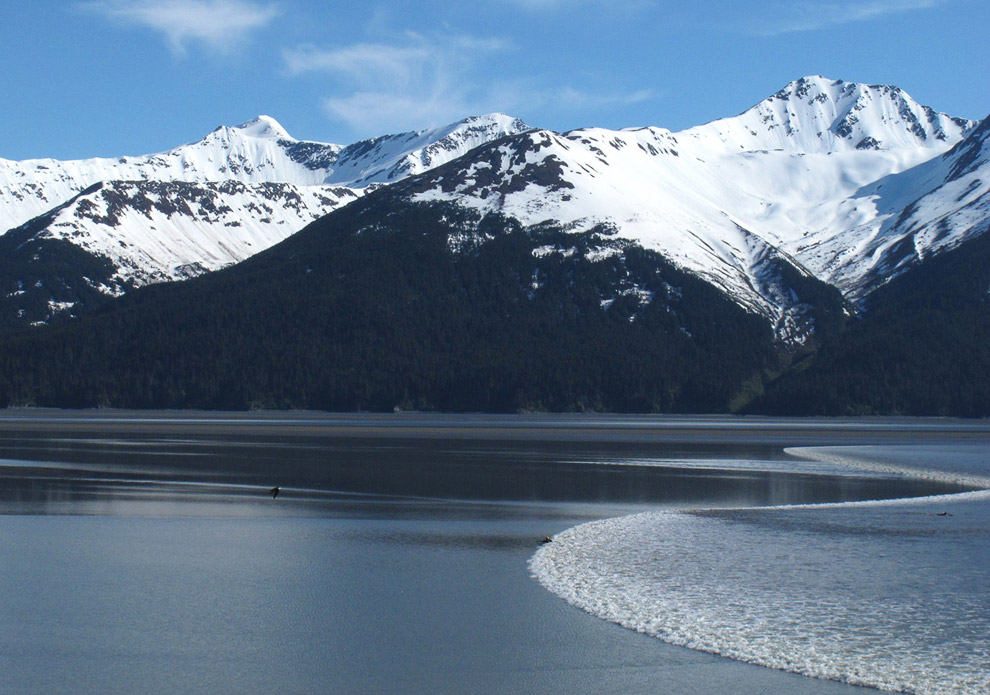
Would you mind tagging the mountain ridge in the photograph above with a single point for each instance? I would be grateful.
(711, 209)
(818, 114)
(632, 270)
(198, 207)
(787, 180)
(257, 151)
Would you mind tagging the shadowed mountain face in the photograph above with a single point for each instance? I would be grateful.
(461, 311)
(456, 312)
(922, 347)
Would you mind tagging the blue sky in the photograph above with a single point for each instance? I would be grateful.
(112, 77)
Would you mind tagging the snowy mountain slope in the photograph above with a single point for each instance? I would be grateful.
(641, 182)
(931, 209)
(784, 180)
(818, 115)
(391, 158)
(156, 231)
(215, 202)
(904, 217)
(841, 182)
(259, 151)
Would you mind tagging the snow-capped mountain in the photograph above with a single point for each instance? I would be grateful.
(217, 201)
(487, 266)
(392, 158)
(791, 178)
(929, 209)
(156, 231)
(259, 151)
(845, 183)
(818, 115)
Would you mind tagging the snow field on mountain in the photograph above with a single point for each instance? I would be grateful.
(391, 158)
(259, 151)
(247, 188)
(217, 225)
(817, 115)
(711, 212)
(849, 183)
(249, 153)
(789, 174)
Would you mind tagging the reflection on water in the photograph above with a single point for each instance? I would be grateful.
(134, 472)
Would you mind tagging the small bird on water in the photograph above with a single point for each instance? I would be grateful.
(274, 491)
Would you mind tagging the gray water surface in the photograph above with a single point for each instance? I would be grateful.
(143, 554)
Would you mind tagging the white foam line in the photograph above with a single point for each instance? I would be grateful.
(691, 581)
(826, 455)
(620, 570)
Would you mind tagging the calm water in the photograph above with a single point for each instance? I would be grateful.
(143, 554)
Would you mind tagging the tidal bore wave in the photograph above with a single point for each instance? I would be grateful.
(891, 594)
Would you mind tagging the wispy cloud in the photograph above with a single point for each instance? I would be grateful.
(363, 63)
(218, 24)
(809, 16)
(418, 81)
(415, 81)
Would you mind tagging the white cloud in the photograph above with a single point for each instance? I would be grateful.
(365, 63)
(413, 83)
(420, 81)
(219, 24)
(811, 16)
(385, 112)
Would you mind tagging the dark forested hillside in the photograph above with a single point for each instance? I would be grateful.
(41, 278)
(423, 306)
(922, 347)
(386, 304)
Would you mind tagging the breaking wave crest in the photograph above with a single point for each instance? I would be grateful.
(889, 594)
(967, 465)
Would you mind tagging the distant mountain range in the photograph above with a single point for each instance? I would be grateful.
(796, 223)
(199, 207)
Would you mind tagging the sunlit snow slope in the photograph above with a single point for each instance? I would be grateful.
(214, 202)
(847, 183)
(794, 177)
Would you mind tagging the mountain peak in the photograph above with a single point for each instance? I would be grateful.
(508, 123)
(816, 114)
(264, 127)
(801, 87)
(389, 158)
(485, 126)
